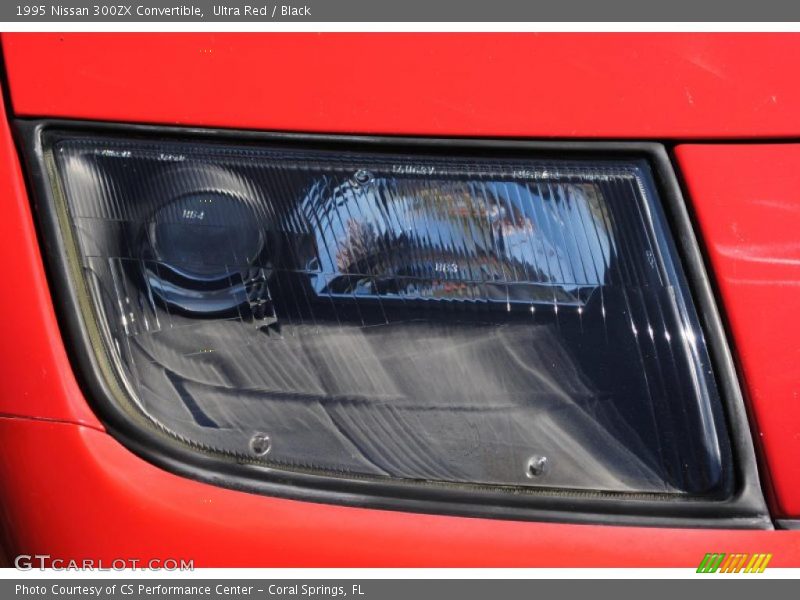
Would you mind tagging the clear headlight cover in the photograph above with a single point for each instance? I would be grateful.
(504, 322)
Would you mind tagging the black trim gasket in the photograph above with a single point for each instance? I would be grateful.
(744, 508)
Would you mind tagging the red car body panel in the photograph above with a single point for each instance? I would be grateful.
(37, 380)
(518, 84)
(92, 497)
(70, 490)
(747, 204)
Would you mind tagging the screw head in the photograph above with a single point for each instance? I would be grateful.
(260, 444)
(362, 177)
(537, 466)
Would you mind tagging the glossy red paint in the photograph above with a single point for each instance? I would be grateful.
(36, 378)
(92, 498)
(747, 202)
(468, 84)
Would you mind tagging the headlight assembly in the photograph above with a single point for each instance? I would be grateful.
(418, 318)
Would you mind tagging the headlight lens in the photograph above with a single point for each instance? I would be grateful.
(505, 322)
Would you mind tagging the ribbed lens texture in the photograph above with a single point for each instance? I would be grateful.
(508, 322)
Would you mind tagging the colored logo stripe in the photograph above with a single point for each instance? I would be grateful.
(733, 563)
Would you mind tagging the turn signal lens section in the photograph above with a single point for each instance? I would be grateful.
(512, 322)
